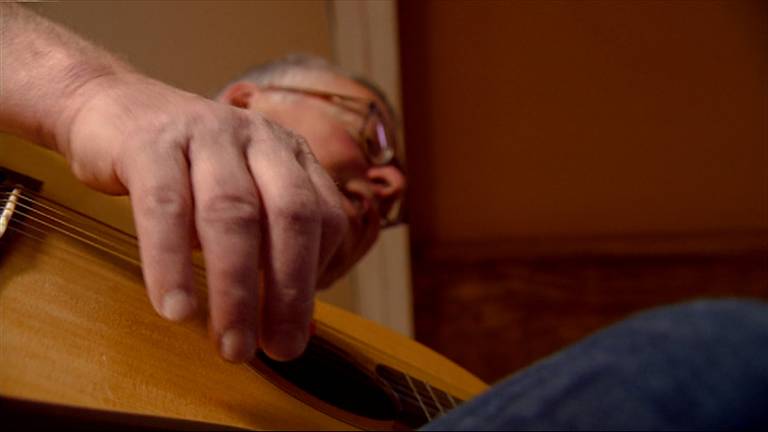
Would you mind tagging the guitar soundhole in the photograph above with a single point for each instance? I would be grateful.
(325, 372)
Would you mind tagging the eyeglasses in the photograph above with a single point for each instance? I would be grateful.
(376, 136)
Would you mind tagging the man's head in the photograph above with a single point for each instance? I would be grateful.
(335, 112)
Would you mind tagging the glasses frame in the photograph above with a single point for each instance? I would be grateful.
(367, 109)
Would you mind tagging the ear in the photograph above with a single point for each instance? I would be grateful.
(239, 94)
(388, 184)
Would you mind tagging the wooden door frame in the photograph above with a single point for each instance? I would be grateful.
(365, 42)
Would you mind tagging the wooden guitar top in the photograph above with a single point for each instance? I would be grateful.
(77, 329)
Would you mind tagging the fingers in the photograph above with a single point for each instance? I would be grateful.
(228, 221)
(162, 204)
(291, 206)
(333, 219)
(255, 193)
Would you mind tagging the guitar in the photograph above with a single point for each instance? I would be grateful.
(80, 344)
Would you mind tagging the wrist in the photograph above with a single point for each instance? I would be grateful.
(83, 86)
(49, 67)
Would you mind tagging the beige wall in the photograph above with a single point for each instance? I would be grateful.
(585, 118)
(196, 45)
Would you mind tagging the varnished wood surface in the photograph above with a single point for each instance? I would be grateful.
(77, 329)
(497, 308)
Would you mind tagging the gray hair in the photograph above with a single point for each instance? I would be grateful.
(292, 67)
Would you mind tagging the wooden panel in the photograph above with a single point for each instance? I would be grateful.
(495, 314)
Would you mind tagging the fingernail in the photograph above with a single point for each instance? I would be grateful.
(237, 345)
(177, 305)
(293, 344)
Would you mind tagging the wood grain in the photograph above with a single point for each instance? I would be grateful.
(497, 308)
(77, 329)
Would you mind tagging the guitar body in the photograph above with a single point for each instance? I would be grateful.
(77, 331)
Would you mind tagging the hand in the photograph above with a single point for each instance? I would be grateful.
(250, 191)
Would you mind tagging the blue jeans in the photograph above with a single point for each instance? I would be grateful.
(700, 365)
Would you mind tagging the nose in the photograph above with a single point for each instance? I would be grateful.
(388, 185)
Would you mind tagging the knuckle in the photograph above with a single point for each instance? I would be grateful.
(301, 142)
(236, 296)
(213, 120)
(259, 125)
(286, 138)
(302, 148)
(300, 210)
(218, 124)
(255, 119)
(233, 210)
(163, 202)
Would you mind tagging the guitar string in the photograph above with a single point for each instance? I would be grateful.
(198, 277)
(75, 236)
(42, 198)
(385, 354)
(24, 233)
(62, 210)
(66, 224)
(130, 259)
(343, 370)
(126, 251)
(405, 394)
(434, 398)
(130, 243)
(128, 256)
(438, 408)
(408, 393)
(126, 243)
(416, 393)
(452, 399)
(127, 239)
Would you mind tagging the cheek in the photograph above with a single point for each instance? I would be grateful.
(334, 147)
(337, 152)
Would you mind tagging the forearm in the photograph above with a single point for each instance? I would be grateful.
(42, 68)
(196, 170)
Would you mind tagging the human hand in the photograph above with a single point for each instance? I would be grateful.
(249, 190)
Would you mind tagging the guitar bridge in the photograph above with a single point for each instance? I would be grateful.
(11, 186)
(8, 208)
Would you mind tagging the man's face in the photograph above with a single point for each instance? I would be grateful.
(332, 134)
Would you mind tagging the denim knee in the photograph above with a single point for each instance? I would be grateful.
(696, 365)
